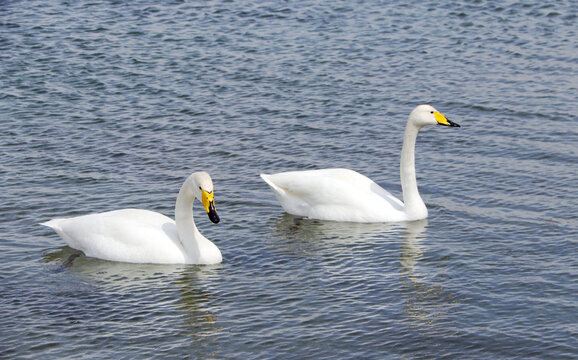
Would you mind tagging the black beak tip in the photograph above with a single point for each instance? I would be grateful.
(451, 124)
(213, 213)
(214, 217)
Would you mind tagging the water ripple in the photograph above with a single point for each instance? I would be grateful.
(111, 104)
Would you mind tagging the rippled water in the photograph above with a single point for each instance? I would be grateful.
(111, 104)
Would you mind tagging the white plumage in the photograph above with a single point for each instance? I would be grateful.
(345, 195)
(143, 236)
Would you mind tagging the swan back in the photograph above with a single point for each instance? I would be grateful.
(334, 194)
(127, 235)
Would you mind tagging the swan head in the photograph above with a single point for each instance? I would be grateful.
(202, 189)
(424, 115)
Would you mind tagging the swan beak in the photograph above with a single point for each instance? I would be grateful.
(441, 119)
(209, 204)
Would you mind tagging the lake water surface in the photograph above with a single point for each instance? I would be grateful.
(112, 104)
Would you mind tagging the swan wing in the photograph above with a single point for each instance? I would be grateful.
(128, 235)
(334, 194)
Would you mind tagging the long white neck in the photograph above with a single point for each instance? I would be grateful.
(186, 228)
(414, 206)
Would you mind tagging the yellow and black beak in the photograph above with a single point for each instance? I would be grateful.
(441, 119)
(209, 204)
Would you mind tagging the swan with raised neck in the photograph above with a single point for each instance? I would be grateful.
(345, 195)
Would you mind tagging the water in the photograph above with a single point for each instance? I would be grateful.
(111, 104)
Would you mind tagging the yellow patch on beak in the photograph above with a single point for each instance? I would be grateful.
(440, 118)
(207, 200)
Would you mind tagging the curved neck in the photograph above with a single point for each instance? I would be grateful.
(414, 206)
(186, 228)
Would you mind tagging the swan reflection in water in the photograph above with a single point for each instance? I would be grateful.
(149, 296)
(310, 236)
(427, 301)
(375, 247)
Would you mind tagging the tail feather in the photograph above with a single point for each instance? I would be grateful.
(53, 224)
(290, 201)
(277, 189)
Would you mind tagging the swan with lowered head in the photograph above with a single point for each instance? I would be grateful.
(143, 236)
(346, 195)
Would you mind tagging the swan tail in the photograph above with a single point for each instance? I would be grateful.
(53, 224)
(290, 201)
(276, 189)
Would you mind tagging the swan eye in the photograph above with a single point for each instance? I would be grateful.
(431, 112)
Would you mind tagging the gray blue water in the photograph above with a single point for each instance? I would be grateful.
(111, 104)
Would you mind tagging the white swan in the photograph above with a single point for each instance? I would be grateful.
(345, 195)
(143, 236)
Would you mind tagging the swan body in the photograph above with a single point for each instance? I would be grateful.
(143, 236)
(345, 195)
(334, 194)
